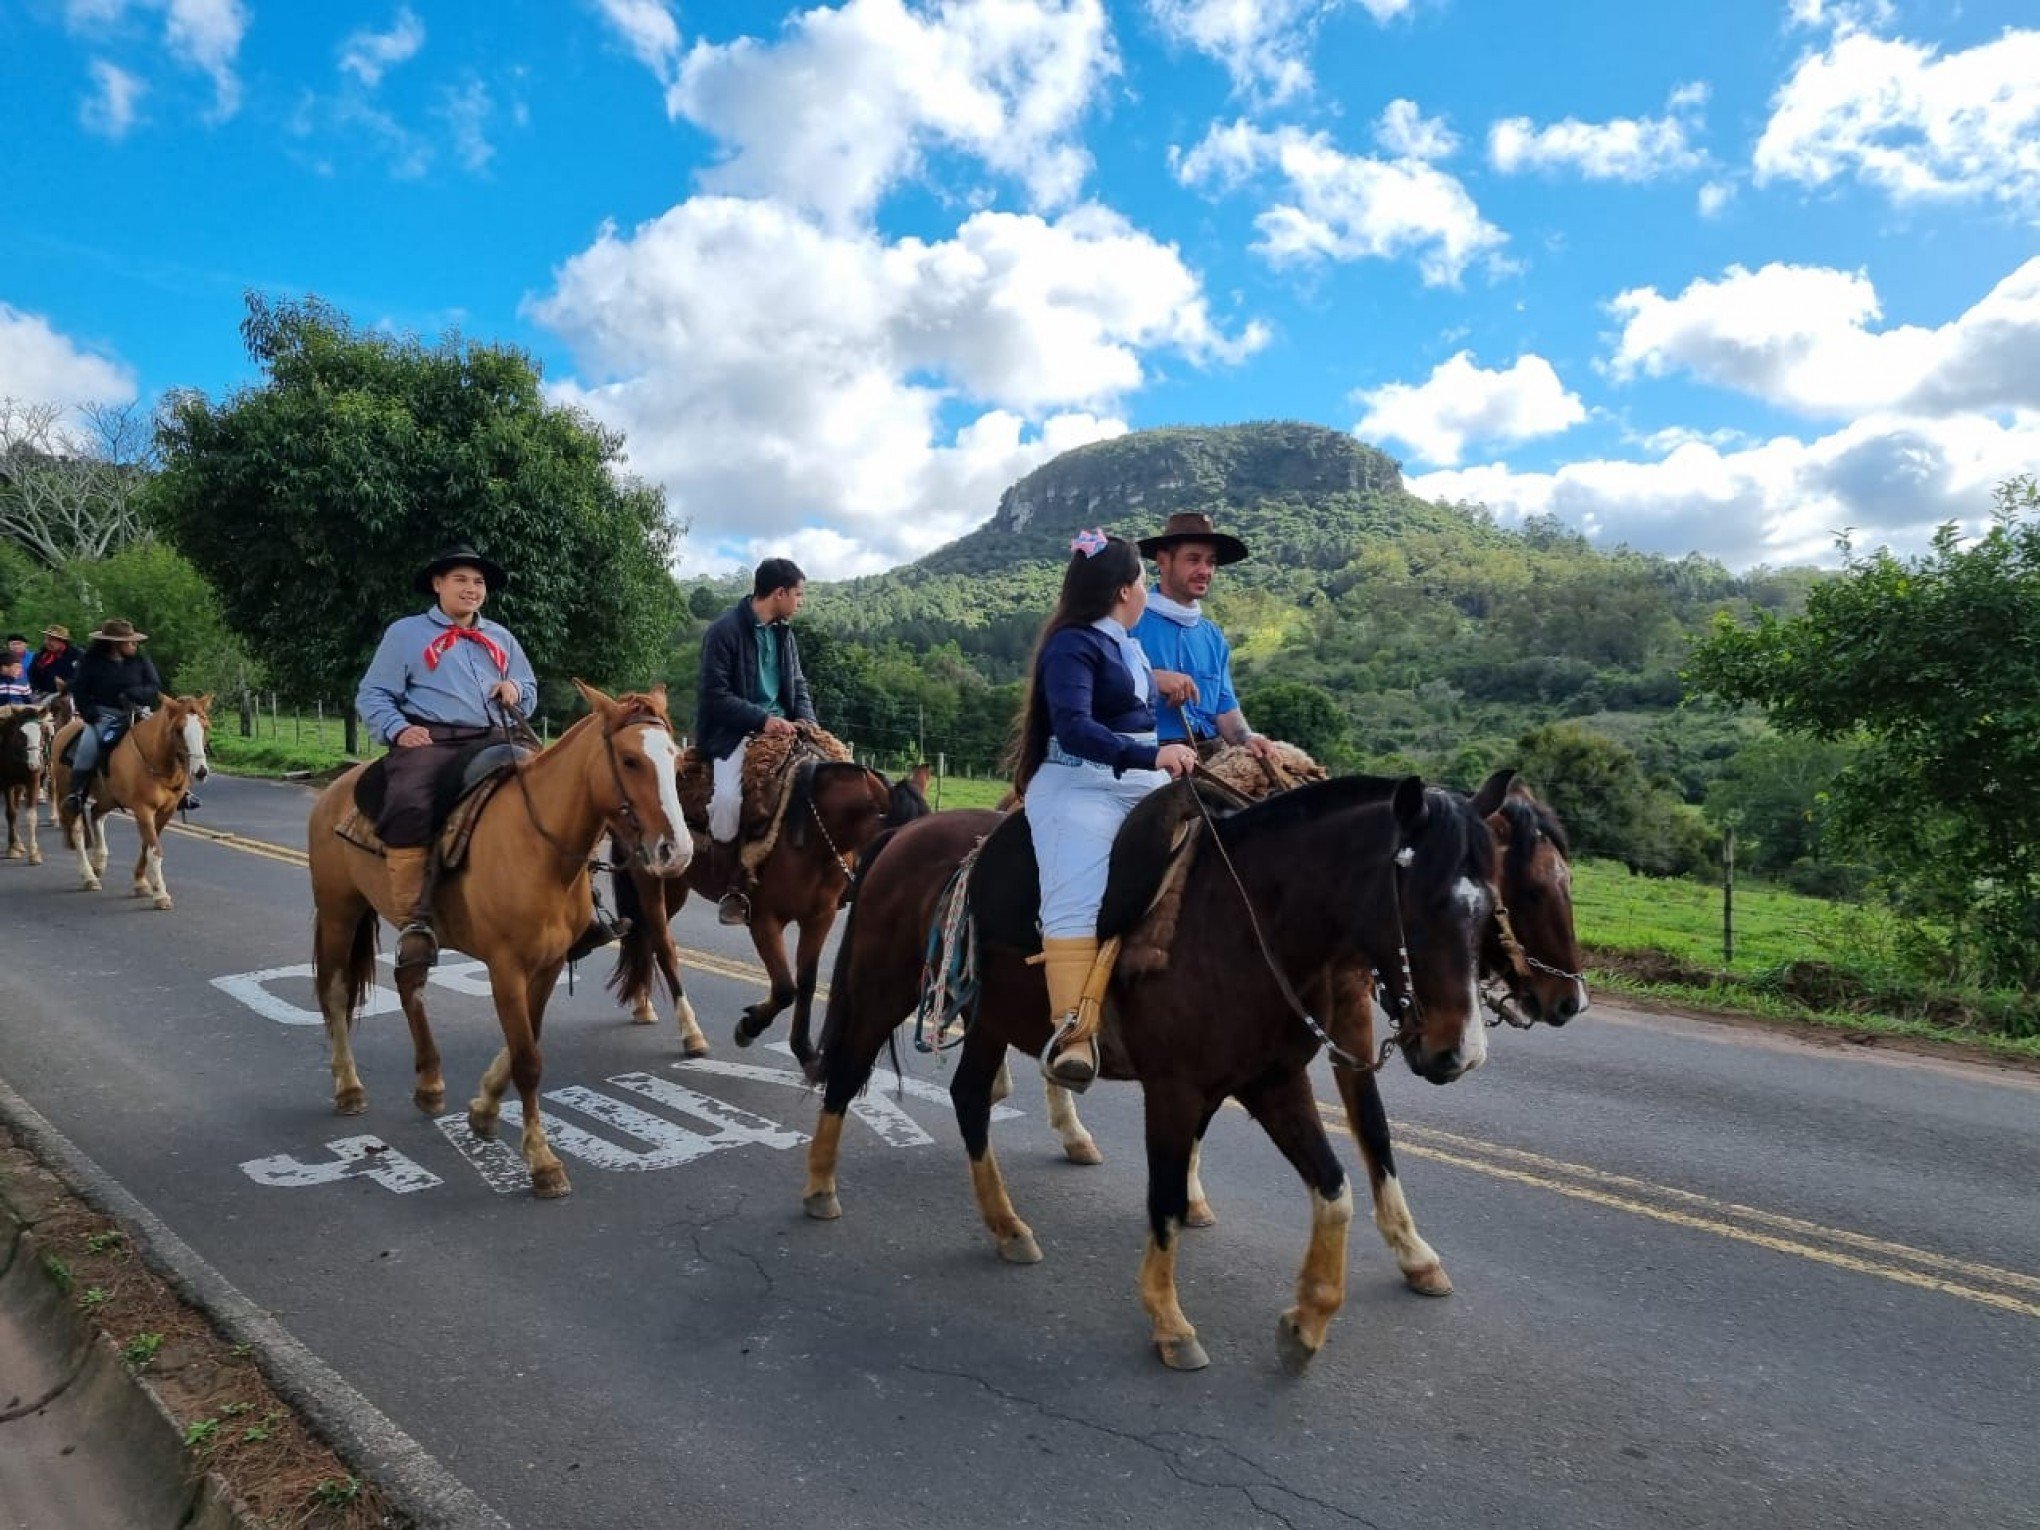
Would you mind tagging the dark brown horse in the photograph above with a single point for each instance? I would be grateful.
(836, 809)
(1323, 869)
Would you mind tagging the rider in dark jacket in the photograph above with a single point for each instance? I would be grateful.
(113, 677)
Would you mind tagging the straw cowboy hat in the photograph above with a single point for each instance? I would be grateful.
(57, 630)
(1194, 526)
(460, 555)
(118, 630)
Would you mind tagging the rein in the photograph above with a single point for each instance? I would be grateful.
(1409, 1021)
(628, 813)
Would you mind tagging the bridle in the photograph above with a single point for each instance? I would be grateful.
(638, 716)
(1497, 992)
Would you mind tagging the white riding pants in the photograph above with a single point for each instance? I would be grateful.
(726, 801)
(1073, 813)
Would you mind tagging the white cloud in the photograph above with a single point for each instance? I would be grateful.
(1406, 133)
(1838, 15)
(1264, 45)
(1345, 206)
(40, 365)
(204, 34)
(848, 102)
(1622, 149)
(1918, 125)
(650, 29)
(1714, 198)
(1892, 478)
(368, 56)
(778, 376)
(466, 110)
(1800, 337)
(1461, 402)
(110, 110)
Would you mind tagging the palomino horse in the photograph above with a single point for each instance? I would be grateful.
(518, 905)
(1326, 870)
(1528, 949)
(148, 773)
(24, 759)
(836, 809)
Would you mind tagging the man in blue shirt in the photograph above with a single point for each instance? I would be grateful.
(1191, 658)
(438, 682)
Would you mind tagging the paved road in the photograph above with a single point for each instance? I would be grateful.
(1705, 1277)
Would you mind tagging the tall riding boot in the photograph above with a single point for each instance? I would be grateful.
(725, 874)
(1071, 1057)
(417, 946)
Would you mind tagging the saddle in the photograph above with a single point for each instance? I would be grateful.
(772, 766)
(463, 788)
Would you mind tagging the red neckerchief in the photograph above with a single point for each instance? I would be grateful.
(439, 647)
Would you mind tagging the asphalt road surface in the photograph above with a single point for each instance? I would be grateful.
(1705, 1276)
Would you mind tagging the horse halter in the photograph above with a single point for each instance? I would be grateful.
(624, 810)
(1522, 963)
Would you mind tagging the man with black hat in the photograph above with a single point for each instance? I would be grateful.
(114, 680)
(439, 681)
(1191, 658)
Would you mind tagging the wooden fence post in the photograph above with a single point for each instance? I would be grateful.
(1728, 896)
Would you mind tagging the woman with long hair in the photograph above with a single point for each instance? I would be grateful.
(1087, 753)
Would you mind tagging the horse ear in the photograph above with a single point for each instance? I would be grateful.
(1412, 808)
(1496, 787)
(205, 703)
(597, 702)
(658, 697)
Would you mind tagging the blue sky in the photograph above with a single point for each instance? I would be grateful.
(1725, 278)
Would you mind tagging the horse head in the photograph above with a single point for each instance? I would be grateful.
(23, 733)
(638, 771)
(1445, 898)
(1530, 943)
(188, 721)
(847, 802)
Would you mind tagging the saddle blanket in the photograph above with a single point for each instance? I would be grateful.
(769, 766)
(359, 830)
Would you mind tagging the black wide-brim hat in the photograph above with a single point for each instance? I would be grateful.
(1194, 526)
(460, 556)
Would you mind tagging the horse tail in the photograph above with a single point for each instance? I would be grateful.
(632, 978)
(360, 972)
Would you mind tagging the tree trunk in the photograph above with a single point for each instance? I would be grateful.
(353, 736)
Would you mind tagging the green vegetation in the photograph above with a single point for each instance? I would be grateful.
(141, 1349)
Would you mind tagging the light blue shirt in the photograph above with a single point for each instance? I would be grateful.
(1130, 655)
(1197, 649)
(399, 689)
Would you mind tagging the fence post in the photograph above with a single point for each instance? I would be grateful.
(320, 736)
(1728, 896)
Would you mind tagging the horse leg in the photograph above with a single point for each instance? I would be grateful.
(1174, 1118)
(15, 849)
(1287, 1111)
(520, 1007)
(1199, 1213)
(100, 853)
(1077, 1142)
(970, 1093)
(1421, 1268)
(343, 963)
(152, 854)
(78, 829)
(807, 957)
(428, 1084)
(768, 936)
(854, 1045)
(35, 856)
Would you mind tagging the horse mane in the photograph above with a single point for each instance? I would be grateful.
(1454, 842)
(1527, 818)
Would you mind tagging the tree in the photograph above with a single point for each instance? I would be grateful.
(311, 500)
(71, 481)
(1305, 715)
(1774, 791)
(1934, 663)
(1609, 807)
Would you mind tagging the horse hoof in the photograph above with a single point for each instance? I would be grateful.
(144, 890)
(1200, 1214)
(1290, 1345)
(91, 884)
(1020, 1249)
(643, 1016)
(15, 852)
(35, 858)
(482, 1126)
(550, 1184)
(1431, 1280)
(350, 1102)
(431, 1101)
(744, 1037)
(1182, 1353)
(164, 903)
(1083, 1152)
(695, 1048)
(822, 1206)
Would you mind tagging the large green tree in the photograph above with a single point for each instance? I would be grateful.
(1934, 664)
(311, 498)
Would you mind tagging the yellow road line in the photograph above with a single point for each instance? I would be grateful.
(1559, 1176)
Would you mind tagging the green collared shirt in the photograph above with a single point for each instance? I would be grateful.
(768, 667)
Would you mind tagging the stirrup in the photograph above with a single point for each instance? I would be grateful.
(413, 931)
(1067, 1064)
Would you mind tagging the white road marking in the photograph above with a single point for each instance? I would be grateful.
(252, 989)
(353, 1158)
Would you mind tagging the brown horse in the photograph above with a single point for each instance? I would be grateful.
(836, 809)
(1324, 870)
(518, 906)
(25, 736)
(59, 711)
(148, 773)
